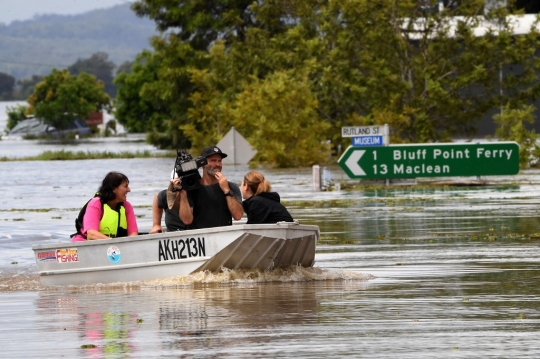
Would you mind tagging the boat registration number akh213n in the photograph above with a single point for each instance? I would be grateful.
(181, 249)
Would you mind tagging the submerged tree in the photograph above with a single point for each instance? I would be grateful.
(15, 114)
(279, 115)
(62, 98)
(511, 126)
(139, 106)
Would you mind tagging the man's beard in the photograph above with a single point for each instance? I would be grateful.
(211, 171)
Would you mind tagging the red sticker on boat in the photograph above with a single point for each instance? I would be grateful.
(49, 256)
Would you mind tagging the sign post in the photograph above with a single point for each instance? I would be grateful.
(431, 160)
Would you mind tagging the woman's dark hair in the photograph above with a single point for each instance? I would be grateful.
(111, 181)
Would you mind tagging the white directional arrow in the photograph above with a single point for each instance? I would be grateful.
(352, 163)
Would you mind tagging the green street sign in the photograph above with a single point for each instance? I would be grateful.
(431, 160)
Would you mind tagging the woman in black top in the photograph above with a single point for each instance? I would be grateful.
(260, 204)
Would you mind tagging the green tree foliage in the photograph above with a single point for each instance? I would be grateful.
(208, 117)
(137, 111)
(511, 126)
(426, 75)
(7, 84)
(199, 22)
(173, 88)
(110, 127)
(279, 115)
(124, 67)
(61, 98)
(189, 27)
(98, 65)
(15, 115)
(431, 76)
(182, 51)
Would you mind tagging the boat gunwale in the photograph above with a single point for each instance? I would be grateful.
(189, 232)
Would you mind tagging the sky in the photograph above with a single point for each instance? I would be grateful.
(11, 10)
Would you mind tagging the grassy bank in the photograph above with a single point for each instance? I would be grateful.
(89, 155)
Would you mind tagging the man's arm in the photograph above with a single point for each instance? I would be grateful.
(234, 205)
(185, 212)
(157, 213)
(234, 202)
(235, 208)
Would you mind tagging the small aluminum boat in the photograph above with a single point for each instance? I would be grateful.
(173, 254)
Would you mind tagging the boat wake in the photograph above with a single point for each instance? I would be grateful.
(240, 277)
(18, 281)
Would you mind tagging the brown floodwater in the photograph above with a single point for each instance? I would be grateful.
(408, 272)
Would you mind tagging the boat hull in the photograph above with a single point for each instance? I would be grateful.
(173, 254)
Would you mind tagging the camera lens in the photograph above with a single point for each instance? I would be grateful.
(190, 181)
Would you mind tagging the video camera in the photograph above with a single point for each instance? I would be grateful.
(187, 169)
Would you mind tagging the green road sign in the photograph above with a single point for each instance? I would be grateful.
(431, 160)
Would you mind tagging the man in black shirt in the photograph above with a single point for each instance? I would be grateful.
(217, 201)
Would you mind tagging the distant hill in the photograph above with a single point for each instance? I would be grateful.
(34, 47)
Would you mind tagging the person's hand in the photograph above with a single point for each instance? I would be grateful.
(156, 229)
(177, 184)
(223, 183)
